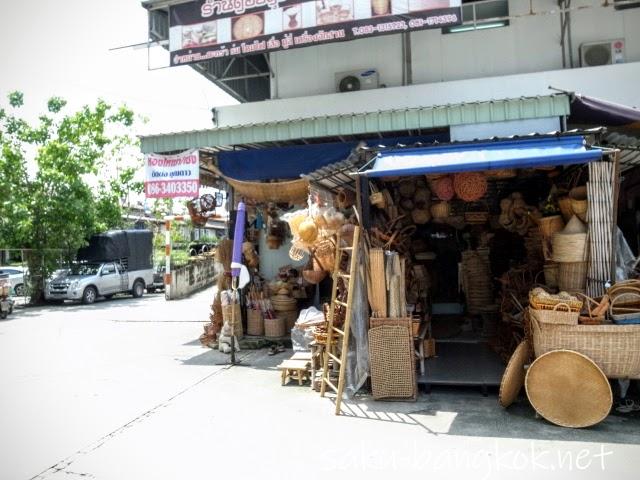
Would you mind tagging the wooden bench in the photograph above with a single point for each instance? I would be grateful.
(294, 369)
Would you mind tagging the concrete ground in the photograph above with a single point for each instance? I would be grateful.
(123, 390)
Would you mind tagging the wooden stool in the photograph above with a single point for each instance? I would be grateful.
(294, 369)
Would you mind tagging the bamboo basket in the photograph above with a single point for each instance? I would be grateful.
(377, 199)
(325, 253)
(420, 216)
(564, 204)
(274, 327)
(579, 202)
(569, 247)
(560, 315)
(594, 310)
(295, 191)
(255, 322)
(614, 348)
(550, 225)
(540, 300)
(572, 277)
(440, 211)
(502, 174)
(314, 276)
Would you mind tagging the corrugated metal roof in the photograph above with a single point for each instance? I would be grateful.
(409, 119)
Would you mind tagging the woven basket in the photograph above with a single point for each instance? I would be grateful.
(443, 188)
(614, 348)
(392, 363)
(295, 191)
(550, 225)
(380, 7)
(420, 216)
(579, 202)
(594, 310)
(470, 186)
(325, 253)
(314, 276)
(502, 174)
(560, 315)
(564, 204)
(540, 300)
(625, 308)
(569, 247)
(377, 199)
(440, 211)
(375, 322)
(407, 187)
(572, 277)
(476, 218)
(255, 322)
(274, 328)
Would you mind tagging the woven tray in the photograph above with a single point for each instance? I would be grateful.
(393, 374)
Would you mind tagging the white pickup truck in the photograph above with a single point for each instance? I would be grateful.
(88, 281)
(113, 262)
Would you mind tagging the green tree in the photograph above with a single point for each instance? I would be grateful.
(62, 179)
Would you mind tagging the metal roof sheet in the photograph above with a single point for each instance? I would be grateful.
(409, 119)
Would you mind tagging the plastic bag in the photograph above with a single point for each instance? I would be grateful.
(625, 261)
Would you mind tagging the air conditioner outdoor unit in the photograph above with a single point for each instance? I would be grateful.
(593, 54)
(357, 80)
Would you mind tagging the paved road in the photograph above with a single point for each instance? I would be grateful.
(123, 390)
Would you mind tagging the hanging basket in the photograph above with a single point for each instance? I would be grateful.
(470, 186)
(503, 174)
(443, 188)
(564, 203)
(325, 253)
(314, 276)
(440, 211)
(579, 202)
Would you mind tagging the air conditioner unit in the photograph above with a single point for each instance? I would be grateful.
(357, 80)
(593, 54)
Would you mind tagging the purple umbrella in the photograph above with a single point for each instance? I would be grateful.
(238, 236)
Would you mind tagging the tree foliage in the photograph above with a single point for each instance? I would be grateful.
(63, 178)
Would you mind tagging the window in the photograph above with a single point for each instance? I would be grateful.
(109, 269)
(481, 15)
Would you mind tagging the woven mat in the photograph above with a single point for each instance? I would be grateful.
(393, 374)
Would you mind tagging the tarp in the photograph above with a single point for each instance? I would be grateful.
(291, 162)
(134, 245)
(593, 111)
(486, 155)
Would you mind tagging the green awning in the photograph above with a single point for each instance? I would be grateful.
(380, 122)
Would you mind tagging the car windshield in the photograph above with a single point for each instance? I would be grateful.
(85, 268)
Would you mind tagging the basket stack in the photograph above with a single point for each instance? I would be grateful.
(274, 327)
(561, 309)
(570, 252)
(476, 280)
(286, 309)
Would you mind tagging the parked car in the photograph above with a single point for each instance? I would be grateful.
(114, 262)
(16, 279)
(158, 279)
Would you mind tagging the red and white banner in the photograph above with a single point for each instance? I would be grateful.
(171, 176)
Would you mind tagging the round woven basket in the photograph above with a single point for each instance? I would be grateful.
(289, 317)
(572, 277)
(564, 204)
(579, 202)
(420, 216)
(440, 211)
(407, 188)
(443, 188)
(422, 196)
(502, 174)
(255, 322)
(274, 327)
(567, 388)
(550, 225)
(470, 186)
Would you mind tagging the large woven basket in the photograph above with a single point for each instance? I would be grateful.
(614, 348)
(470, 186)
(289, 317)
(255, 322)
(569, 247)
(391, 354)
(274, 327)
(572, 277)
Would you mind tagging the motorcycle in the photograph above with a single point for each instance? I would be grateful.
(6, 304)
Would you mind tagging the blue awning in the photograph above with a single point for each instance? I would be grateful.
(489, 155)
(291, 162)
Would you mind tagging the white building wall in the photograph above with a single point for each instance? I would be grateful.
(528, 44)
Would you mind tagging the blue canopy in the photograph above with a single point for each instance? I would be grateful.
(291, 162)
(486, 155)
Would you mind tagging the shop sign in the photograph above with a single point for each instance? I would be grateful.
(207, 29)
(170, 176)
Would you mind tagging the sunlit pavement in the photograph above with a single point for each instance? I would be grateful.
(123, 390)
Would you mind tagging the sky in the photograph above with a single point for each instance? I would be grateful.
(62, 48)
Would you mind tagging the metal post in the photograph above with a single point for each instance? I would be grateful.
(167, 258)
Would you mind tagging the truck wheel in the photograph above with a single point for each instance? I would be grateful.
(138, 289)
(89, 295)
(3, 314)
(19, 290)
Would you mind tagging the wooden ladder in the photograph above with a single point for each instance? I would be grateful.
(331, 351)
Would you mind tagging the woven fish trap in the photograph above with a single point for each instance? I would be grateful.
(470, 186)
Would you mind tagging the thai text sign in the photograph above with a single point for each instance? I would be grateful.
(207, 29)
(169, 176)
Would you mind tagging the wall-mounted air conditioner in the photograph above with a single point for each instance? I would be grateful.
(594, 54)
(354, 80)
